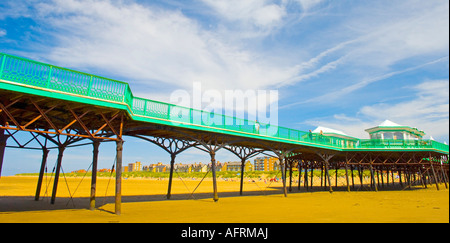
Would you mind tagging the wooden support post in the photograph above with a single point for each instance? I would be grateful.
(281, 154)
(285, 170)
(434, 172)
(172, 165)
(96, 145)
(118, 196)
(61, 149)
(211, 147)
(328, 175)
(360, 173)
(346, 175)
(321, 175)
(299, 173)
(428, 177)
(408, 176)
(241, 188)
(387, 176)
(306, 177)
(3, 139)
(45, 152)
(377, 171)
(290, 175)
(353, 177)
(326, 158)
(336, 176)
(420, 175)
(372, 175)
(422, 181)
(213, 169)
(444, 177)
(283, 174)
(392, 176)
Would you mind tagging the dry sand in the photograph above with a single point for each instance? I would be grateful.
(144, 201)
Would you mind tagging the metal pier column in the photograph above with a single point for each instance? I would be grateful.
(118, 200)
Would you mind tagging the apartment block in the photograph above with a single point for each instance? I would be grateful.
(266, 163)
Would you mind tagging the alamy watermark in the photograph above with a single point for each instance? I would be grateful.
(250, 110)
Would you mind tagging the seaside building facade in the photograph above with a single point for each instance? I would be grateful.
(136, 166)
(188, 168)
(236, 166)
(159, 167)
(266, 163)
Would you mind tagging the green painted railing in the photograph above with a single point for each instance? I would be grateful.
(401, 144)
(36, 74)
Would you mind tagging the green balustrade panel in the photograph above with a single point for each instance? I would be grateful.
(35, 74)
(139, 106)
(68, 81)
(107, 89)
(294, 134)
(157, 109)
(24, 71)
(439, 146)
(402, 144)
(180, 114)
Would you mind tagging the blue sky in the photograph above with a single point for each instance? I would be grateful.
(347, 65)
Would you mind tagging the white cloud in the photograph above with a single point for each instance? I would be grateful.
(303, 75)
(430, 103)
(260, 13)
(2, 32)
(331, 97)
(376, 41)
(428, 110)
(390, 35)
(154, 45)
(309, 4)
(150, 44)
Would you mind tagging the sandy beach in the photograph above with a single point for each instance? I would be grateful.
(144, 201)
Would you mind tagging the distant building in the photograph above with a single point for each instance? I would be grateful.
(221, 167)
(136, 166)
(266, 163)
(182, 168)
(199, 167)
(259, 164)
(159, 167)
(236, 166)
(188, 168)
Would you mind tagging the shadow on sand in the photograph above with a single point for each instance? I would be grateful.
(9, 204)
